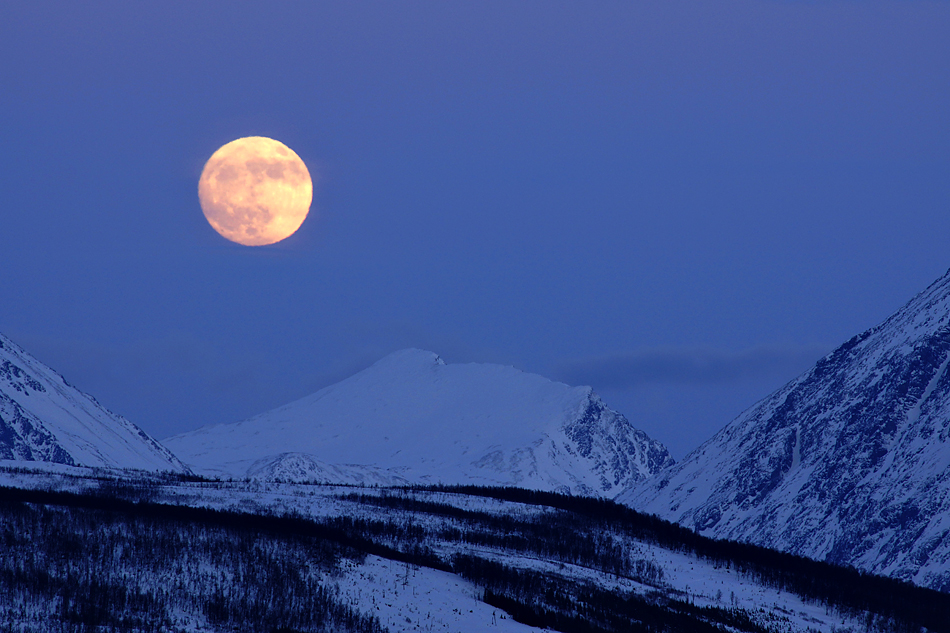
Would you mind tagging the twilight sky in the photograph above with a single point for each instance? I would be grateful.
(683, 203)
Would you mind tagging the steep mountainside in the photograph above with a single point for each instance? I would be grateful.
(412, 418)
(849, 463)
(43, 418)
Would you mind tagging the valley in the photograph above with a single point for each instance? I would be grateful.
(406, 559)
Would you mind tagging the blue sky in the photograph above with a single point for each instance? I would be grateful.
(682, 203)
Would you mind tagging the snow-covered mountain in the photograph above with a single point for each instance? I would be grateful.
(45, 419)
(412, 418)
(849, 463)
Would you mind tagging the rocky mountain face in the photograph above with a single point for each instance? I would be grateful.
(45, 419)
(849, 463)
(412, 418)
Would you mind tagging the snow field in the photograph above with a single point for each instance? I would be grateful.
(419, 599)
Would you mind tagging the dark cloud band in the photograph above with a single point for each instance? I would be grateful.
(688, 366)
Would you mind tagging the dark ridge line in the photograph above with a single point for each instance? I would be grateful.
(286, 525)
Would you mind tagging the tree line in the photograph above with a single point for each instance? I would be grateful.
(77, 565)
(265, 564)
(894, 603)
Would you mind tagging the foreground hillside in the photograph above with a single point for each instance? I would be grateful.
(849, 463)
(86, 552)
(411, 418)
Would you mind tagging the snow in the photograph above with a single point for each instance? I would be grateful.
(849, 462)
(42, 412)
(914, 414)
(411, 417)
(410, 598)
(725, 588)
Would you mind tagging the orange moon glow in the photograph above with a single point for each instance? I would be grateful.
(255, 191)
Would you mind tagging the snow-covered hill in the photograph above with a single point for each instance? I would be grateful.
(412, 418)
(849, 463)
(45, 419)
(211, 556)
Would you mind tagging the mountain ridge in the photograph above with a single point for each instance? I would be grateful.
(848, 463)
(44, 418)
(424, 421)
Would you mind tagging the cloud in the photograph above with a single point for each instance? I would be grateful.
(697, 366)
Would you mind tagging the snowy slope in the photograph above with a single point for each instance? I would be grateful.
(412, 418)
(413, 598)
(43, 418)
(849, 463)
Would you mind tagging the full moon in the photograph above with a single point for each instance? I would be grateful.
(255, 191)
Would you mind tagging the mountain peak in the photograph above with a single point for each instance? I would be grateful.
(408, 359)
(44, 418)
(849, 462)
(423, 420)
